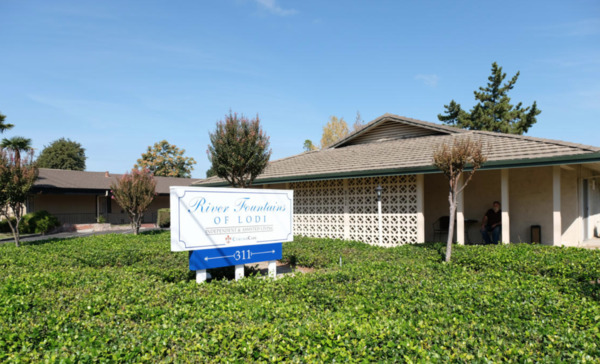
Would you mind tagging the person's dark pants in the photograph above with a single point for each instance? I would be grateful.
(485, 234)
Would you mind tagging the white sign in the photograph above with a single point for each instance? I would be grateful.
(210, 217)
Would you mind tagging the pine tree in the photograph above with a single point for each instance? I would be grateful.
(493, 111)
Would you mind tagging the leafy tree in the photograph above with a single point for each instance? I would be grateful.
(134, 192)
(166, 160)
(4, 126)
(63, 154)
(493, 111)
(210, 172)
(333, 131)
(17, 176)
(453, 160)
(17, 144)
(309, 146)
(359, 123)
(239, 150)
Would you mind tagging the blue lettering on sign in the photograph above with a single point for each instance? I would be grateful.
(224, 257)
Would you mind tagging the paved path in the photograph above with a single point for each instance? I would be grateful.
(74, 234)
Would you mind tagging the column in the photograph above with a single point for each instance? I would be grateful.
(460, 214)
(556, 215)
(420, 208)
(504, 191)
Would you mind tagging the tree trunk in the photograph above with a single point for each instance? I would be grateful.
(15, 231)
(135, 224)
(452, 199)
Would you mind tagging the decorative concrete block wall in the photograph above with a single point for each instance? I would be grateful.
(347, 209)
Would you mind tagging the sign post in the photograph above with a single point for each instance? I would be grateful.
(223, 227)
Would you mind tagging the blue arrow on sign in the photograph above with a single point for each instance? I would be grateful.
(224, 257)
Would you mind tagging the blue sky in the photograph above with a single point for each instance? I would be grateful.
(117, 76)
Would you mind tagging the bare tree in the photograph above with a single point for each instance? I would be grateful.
(464, 155)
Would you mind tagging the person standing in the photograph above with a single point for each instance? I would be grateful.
(492, 224)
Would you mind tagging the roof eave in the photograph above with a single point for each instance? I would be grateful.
(492, 165)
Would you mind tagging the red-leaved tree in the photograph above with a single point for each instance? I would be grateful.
(239, 150)
(134, 192)
(17, 175)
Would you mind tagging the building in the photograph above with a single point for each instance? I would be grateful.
(550, 184)
(77, 197)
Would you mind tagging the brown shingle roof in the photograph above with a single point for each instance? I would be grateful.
(81, 180)
(413, 155)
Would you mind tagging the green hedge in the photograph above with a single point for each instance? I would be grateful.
(163, 218)
(39, 222)
(118, 298)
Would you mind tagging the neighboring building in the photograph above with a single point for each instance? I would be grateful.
(77, 197)
(549, 183)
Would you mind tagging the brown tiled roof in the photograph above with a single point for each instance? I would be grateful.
(414, 155)
(52, 179)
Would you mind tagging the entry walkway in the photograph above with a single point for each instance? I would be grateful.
(591, 244)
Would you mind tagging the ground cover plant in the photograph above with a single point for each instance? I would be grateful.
(129, 299)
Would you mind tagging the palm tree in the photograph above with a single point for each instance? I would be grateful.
(17, 144)
(3, 126)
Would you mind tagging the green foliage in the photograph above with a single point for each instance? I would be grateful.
(210, 172)
(239, 150)
(493, 111)
(117, 298)
(309, 146)
(134, 192)
(163, 218)
(63, 154)
(16, 144)
(101, 219)
(5, 227)
(16, 180)
(166, 160)
(4, 126)
(39, 222)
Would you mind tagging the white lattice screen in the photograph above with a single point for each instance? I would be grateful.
(348, 209)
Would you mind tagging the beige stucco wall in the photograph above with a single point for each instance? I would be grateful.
(65, 204)
(479, 195)
(530, 202)
(83, 208)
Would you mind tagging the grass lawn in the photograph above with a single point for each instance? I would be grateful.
(129, 299)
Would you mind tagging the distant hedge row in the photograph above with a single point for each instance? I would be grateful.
(122, 298)
(39, 222)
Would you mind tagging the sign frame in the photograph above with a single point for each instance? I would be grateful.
(260, 232)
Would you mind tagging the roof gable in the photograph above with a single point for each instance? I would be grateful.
(393, 127)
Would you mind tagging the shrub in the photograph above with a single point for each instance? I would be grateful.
(39, 222)
(101, 219)
(163, 218)
(118, 298)
(4, 227)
